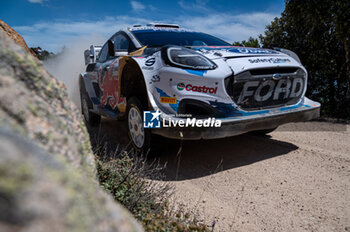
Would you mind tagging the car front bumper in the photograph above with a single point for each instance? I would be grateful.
(231, 126)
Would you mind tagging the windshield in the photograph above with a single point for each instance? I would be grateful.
(181, 38)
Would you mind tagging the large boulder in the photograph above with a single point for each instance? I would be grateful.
(47, 169)
(34, 103)
(15, 36)
(39, 192)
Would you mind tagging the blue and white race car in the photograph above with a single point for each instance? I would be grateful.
(190, 85)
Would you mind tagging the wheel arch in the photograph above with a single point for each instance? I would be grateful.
(132, 81)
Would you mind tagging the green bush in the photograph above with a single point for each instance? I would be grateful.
(318, 31)
(130, 180)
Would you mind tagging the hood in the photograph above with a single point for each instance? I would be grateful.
(215, 52)
(243, 58)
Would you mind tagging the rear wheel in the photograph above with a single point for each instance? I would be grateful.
(142, 140)
(90, 118)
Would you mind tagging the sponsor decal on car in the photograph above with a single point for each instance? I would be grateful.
(180, 86)
(163, 94)
(150, 61)
(263, 91)
(147, 68)
(110, 89)
(269, 60)
(252, 50)
(155, 78)
(199, 89)
(168, 100)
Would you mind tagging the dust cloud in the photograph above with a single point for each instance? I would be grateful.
(69, 63)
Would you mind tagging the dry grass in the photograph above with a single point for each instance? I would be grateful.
(132, 180)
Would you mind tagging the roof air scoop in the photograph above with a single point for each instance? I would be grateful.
(163, 25)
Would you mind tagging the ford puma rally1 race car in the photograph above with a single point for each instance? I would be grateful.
(176, 83)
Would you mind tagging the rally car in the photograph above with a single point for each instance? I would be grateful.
(160, 75)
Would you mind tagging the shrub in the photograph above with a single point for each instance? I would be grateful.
(132, 181)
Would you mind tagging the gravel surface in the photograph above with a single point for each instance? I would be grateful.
(296, 179)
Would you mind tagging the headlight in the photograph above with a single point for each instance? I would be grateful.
(186, 58)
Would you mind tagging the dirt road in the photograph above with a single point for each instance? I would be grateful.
(297, 179)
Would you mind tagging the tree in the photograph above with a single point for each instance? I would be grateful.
(42, 54)
(318, 31)
(254, 43)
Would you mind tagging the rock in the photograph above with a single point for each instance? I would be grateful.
(47, 174)
(15, 36)
(41, 192)
(35, 104)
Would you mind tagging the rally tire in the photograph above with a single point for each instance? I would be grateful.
(91, 118)
(141, 139)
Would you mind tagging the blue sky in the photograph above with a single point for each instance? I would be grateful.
(52, 24)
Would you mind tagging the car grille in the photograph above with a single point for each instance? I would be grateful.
(266, 88)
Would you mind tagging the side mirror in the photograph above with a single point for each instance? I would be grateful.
(118, 53)
(87, 56)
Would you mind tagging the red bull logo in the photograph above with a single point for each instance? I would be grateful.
(110, 89)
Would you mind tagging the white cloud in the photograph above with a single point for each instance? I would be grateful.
(137, 6)
(37, 1)
(197, 5)
(152, 8)
(53, 36)
(230, 27)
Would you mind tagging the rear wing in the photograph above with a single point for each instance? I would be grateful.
(91, 54)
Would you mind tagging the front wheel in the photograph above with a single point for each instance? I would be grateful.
(142, 140)
(90, 118)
